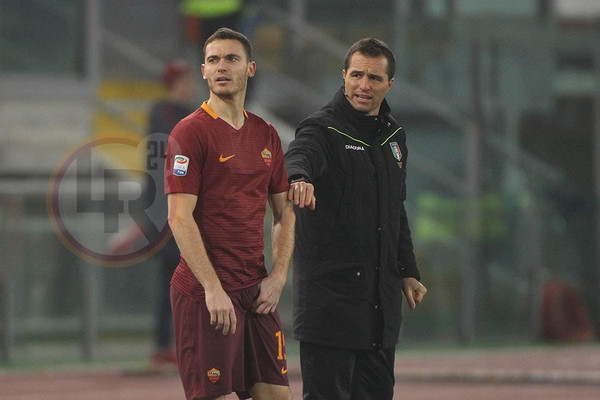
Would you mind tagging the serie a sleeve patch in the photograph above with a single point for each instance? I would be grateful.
(180, 165)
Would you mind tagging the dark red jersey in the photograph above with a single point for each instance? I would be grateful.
(232, 172)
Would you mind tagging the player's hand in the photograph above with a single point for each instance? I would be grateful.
(302, 194)
(222, 313)
(268, 298)
(414, 291)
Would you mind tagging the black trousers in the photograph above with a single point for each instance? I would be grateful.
(330, 373)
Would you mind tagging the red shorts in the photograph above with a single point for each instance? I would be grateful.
(211, 364)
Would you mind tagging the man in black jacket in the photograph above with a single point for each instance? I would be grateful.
(354, 254)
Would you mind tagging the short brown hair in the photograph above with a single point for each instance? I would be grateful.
(372, 47)
(226, 33)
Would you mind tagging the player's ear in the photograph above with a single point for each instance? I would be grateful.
(203, 74)
(251, 68)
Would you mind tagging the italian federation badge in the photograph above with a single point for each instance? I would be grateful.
(397, 153)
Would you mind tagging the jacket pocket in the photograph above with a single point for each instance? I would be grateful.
(339, 281)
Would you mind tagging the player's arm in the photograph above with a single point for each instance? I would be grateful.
(188, 238)
(282, 242)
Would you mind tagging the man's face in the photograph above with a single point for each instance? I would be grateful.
(366, 82)
(226, 67)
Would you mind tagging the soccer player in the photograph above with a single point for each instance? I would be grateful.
(223, 165)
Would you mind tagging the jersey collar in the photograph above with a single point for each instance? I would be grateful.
(212, 113)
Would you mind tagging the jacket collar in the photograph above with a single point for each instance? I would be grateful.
(362, 126)
(340, 104)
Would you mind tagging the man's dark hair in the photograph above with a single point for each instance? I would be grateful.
(372, 47)
(226, 33)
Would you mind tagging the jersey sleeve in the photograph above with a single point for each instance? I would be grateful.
(279, 179)
(183, 159)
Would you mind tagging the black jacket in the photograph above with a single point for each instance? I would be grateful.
(353, 250)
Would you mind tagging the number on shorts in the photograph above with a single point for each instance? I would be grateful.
(280, 345)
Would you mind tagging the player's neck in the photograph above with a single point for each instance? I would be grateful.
(231, 110)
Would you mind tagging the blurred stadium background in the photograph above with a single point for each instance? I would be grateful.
(500, 99)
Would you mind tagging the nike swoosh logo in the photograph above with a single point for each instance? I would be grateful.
(223, 159)
(283, 371)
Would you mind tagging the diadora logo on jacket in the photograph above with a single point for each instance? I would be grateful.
(353, 147)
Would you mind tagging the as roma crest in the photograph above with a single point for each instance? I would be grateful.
(214, 375)
(266, 156)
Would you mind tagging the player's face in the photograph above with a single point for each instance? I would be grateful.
(226, 67)
(366, 82)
